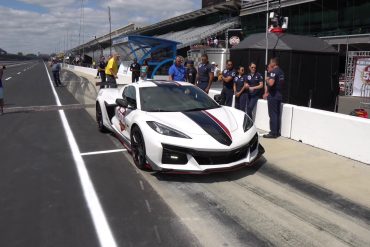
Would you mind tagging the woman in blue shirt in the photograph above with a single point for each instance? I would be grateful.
(240, 90)
(255, 82)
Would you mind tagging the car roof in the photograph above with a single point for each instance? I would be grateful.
(156, 83)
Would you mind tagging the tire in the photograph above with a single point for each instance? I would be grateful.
(138, 148)
(99, 119)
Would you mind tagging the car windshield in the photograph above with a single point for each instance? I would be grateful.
(173, 98)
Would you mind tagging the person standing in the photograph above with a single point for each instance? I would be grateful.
(101, 71)
(216, 71)
(215, 42)
(205, 74)
(111, 70)
(191, 72)
(177, 71)
(55, 69)
(2, 68)
(274, 81)
(241, 90)
(228, 80)
(255, 82)
(144, 70)
(135, 69)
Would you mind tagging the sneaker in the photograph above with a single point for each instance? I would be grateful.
(270, 136)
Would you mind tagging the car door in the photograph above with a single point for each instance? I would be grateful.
(125, 114)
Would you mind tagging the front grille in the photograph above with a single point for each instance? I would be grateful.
(217, 158)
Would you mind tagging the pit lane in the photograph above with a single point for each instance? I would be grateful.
(258, 206)
(43, 203)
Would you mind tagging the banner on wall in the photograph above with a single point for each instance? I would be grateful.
(362, 75)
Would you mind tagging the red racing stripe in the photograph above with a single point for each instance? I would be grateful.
(219, 123)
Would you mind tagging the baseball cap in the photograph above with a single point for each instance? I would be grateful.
(190, 62)
(213, 63)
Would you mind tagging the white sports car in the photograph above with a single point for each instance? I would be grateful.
(176, 127)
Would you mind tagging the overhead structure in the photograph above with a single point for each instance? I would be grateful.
(159, 53)
(311, 66)
(195, 35)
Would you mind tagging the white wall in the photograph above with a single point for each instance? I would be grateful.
(341, 134)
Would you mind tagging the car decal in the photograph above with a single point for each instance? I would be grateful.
(219, 123)
(211, 125)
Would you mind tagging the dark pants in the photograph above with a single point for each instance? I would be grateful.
(252, 102)
(241, 102)
(227, 94)
(135, 77)
(274, 104)
(103, 79)
(56, 78)
(111, 81)
(203, 85)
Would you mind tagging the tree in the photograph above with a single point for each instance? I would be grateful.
(20, 53)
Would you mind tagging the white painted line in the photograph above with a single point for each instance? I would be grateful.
(18, 73)
(141, 185)
(102, 228)
(104, 152)
(148, 206)
(8, 78)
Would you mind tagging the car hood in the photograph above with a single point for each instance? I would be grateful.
(193, 122)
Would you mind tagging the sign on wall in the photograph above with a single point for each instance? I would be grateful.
(362, 75)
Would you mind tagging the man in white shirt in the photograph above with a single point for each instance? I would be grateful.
(216, 71)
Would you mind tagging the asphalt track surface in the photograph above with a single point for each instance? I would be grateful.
(41, 198)
(44, 201)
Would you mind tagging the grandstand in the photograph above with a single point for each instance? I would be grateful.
(193, 35)
(187, 29)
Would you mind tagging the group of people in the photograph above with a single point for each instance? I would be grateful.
(108, 70)
(247, 87)
(139, 71)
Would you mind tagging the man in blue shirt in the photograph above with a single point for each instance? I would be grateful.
(228, 79)
(55, 68)
(275, 81)
(177, 71)
(205, 74)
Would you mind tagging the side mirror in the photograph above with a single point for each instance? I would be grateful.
(122, 103)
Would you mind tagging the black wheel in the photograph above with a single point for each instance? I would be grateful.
(99, 119)
(138, 148)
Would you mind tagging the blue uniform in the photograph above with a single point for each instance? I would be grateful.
(228, 91)
(274, 100)
(241, 101)
(203, 75)
(178, 73)
(253, 80)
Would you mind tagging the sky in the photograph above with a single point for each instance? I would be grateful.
(47, 26)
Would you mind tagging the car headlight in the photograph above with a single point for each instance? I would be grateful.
(248, 123)
(165, 130)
